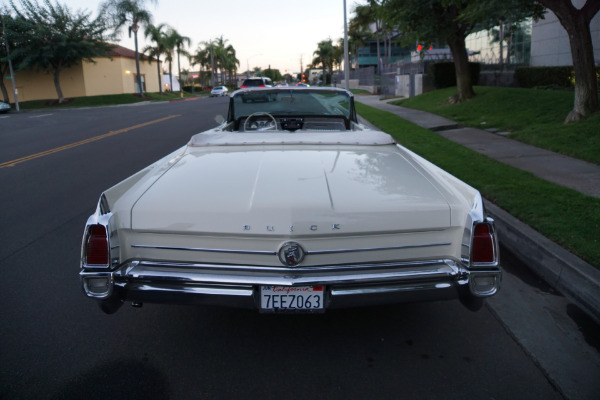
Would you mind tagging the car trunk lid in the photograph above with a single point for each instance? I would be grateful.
(298, 191)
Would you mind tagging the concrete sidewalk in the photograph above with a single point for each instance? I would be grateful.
(572, 276)
(566, 171)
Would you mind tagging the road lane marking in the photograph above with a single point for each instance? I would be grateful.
(82, 142)
(41, 115)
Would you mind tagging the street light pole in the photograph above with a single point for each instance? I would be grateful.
(248, 64)
(346, 58)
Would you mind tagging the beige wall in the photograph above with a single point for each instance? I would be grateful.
(106, 76)
(103, 77)
(36, 85)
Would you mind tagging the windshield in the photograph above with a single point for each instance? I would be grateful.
(292, 102)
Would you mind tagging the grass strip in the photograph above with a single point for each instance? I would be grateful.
(565, 216)
(532, 116)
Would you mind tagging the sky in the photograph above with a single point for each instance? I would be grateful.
(275, 33)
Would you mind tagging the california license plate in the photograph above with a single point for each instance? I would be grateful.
(291, 299)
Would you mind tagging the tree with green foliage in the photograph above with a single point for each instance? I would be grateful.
(202, 58)
(6, 20)
(51, 37)
(324, 55)
(359, 32)
(225, 58)
(230, 62)
(370, 18)
(577, 24)
(274, 74)
(158, 37)
(133, 14)
(451, 21)
(338, 53)
(175, 41)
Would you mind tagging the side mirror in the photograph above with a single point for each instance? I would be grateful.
(219, 119)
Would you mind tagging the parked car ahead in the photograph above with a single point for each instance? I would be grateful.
(219, 91)
(4, 107)
(257, 82)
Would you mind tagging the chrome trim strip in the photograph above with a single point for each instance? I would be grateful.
(389, 289)
(145, 271)
(257, 268)
(414, 246)
(232, 251)
(214, 291)
(269, 253)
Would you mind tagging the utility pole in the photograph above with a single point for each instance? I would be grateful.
(10, 67)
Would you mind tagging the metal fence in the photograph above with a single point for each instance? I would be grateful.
(394, 75)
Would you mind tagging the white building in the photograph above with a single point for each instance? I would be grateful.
(550, 43)
(170, 83)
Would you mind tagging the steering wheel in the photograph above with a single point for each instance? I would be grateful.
(257, 114)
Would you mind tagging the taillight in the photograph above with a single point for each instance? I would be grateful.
(483, 246)
(261, 86)
(97, 246)
(243, 87)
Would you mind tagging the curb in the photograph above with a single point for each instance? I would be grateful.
(569, 274)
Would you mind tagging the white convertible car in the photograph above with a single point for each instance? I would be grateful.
(290, 205)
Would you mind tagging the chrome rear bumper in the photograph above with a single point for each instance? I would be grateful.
(237, 286)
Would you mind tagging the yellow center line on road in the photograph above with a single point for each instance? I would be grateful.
(92, 139)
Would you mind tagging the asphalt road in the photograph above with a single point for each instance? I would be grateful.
(56, 344)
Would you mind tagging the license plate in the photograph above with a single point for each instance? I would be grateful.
(291, 299)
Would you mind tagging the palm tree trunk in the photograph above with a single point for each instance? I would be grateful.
(170, 75)
(159, 75)
(137, 60)
(179, 71)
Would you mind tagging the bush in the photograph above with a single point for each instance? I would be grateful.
(546, 77)
(530, 77)
(443, 74)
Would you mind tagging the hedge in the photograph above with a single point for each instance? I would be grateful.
(443, 74)
(531, 77)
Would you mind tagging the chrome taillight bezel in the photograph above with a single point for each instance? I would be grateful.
(477, 216)
(101, 217)
(493, 243)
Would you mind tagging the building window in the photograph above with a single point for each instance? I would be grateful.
(484, 46)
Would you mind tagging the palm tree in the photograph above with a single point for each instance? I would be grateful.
(202, 57)
(231, 62)
(359, 32)
(338, 53)
(156, 35)
(175, 41)
(324, 56)
(133, 14)
(220, 55)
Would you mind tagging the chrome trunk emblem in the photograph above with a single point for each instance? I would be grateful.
(291, 254)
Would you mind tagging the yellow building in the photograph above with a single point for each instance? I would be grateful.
(105, 76)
